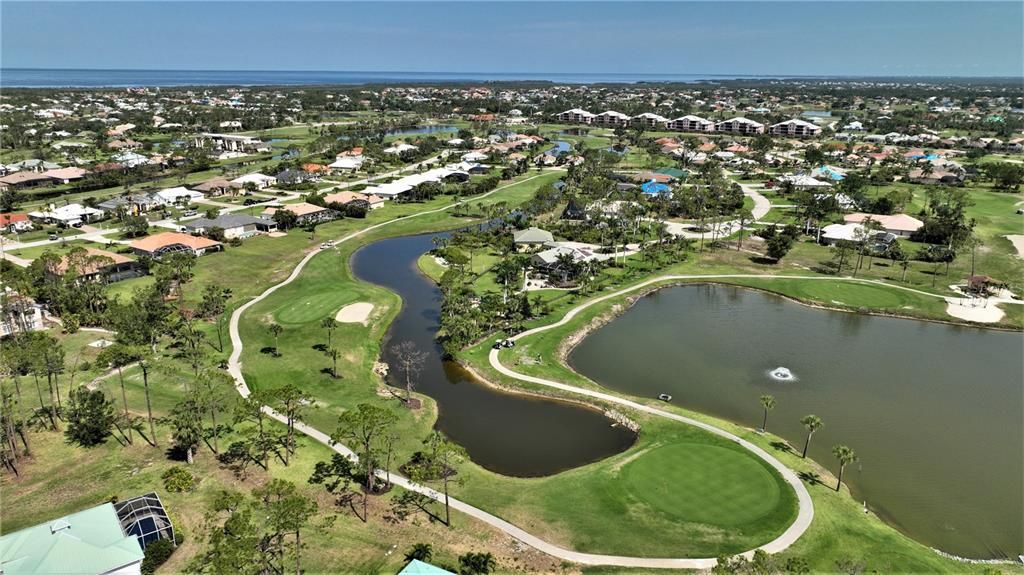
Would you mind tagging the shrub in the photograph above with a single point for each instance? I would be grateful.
(177, 479)
(157, 553)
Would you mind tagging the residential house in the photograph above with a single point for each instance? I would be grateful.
(233, 225)
(70, 215)
(100, 265)
(531, 237)
(178, 195)
(347, 164)
(67, 175)
(305, 213)
(158, 245)
(109, 539)
(345, 198)
(257, 179)
(15, 223)
(796, 128)
(32, 165)
(740, 125)
(25, 179)
(293, 177)
(133, 204)
(213, 187)
(899, 224)
(399, 148)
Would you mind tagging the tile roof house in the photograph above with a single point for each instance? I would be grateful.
(15, 222)
(306, 213)
(899, 224)
(157, 245)
(109, 266)
(344, 198)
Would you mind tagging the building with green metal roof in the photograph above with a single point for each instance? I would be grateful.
(88, 542)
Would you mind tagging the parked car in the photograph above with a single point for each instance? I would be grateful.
(249, 202)
(53, 237)
(188, 213)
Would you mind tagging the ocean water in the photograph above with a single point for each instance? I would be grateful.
(54, 78)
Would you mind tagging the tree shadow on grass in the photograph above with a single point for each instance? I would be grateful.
(761, 260)
(781, 446)
(176, 453)
(810, 477)
(321, 347)
(269, 350)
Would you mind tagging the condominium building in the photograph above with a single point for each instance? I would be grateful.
(740, 125)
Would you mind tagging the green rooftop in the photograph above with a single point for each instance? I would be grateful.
(90, 541)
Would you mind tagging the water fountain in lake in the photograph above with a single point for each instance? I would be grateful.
(782, 374)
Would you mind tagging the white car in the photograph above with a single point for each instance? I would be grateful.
(326, 245)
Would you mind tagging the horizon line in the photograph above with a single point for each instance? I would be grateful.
(538, 74)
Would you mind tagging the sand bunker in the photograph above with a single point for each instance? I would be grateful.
(980, 312)
(1018, 242)
(355, 313)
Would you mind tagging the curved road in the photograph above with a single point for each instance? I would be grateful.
(805, 512)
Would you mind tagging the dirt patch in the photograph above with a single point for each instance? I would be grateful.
(355, 313)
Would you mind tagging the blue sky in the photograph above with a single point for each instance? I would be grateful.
(767, 38)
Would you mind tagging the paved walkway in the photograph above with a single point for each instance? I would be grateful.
(761, 208)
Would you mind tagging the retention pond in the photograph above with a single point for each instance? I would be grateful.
(935, 412)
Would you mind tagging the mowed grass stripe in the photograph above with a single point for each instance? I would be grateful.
(703, 484)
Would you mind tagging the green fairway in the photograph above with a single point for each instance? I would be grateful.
(702, 483)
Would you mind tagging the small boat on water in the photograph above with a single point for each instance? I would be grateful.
(665, 397)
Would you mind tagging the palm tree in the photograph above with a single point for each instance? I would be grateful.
(768, 403)
(330, 325)
(421, 551)
(812, 423)
(845, 455)
(144, 365)
(275, 330)
(333, 354)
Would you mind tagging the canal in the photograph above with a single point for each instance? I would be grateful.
(506, 433)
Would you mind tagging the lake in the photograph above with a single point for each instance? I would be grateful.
(934, 411)
(506, 433)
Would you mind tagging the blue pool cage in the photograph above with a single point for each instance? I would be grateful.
(145, 518)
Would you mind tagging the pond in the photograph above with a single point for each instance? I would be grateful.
(934, 411)
(510, 434)
(438, 129)
(560, 147)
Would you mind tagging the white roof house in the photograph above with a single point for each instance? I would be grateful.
(399, 148)
(261, 180)
(804, 181)
(836, 232)
(178, 194)
(131, 159)
(348, 163)
(70, 214)
(474, 156)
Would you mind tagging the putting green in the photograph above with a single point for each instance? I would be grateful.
(703, 484)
